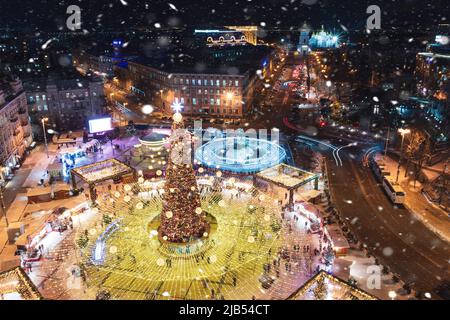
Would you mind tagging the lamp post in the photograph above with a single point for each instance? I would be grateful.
(2, 204)
(43, 120)
(403, 132)
(444, 184)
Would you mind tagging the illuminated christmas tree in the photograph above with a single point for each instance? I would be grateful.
(182, 218)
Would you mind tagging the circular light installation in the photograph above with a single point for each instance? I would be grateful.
(240, 154)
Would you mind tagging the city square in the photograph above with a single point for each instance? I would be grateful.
(275, 152)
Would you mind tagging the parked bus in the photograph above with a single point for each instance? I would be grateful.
(379, 170)
(394, 191)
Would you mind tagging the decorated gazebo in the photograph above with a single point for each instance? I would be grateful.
(92, 174)
(285, 180)
(16, 285)
(324, 286)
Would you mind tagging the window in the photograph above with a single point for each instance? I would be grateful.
(236, 83)
(218, 83)
(194, 101)
(37, 98)
(182, 100)
(211, 82)
(211, 101)
(199, 82)
(218, 102)
(205, 82)
(45, 107)
(44, 97)
(224, 83)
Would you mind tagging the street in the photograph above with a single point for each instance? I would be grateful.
(394, 236)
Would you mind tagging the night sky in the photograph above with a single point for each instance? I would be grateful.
(49, 15)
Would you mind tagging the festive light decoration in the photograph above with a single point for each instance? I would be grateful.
(181, 196)
(240, 154)
(324, 286)
(15, 282)
(323, 39)
(187, 237)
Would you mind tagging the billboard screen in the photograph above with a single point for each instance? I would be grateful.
(100, 125)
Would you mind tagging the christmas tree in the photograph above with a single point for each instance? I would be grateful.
(182, 218)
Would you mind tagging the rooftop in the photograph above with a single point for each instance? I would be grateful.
(10, 88)
(324, 286)
(286, 176)
(64, 79)
(102, 171)
(16, 285)
(232, 60)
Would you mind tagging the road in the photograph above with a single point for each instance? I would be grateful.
(392, 233)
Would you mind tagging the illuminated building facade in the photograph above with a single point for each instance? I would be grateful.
(16, 135)
(303, 43)
(250, 33)
(432, 76)
(220, 83)
(231, 35)
(324, 40)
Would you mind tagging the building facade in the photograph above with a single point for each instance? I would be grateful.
(217, 95)
(218, 83)
(15, 133)
(67, 103)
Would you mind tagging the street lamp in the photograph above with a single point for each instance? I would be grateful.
(43, 120)
(2, 204)
(392, 295)
(147, 109)
(403, 132)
